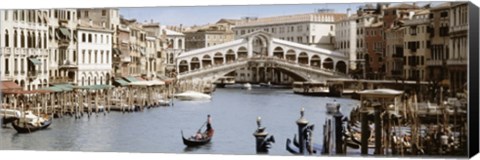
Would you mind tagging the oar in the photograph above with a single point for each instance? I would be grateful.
(202, 125)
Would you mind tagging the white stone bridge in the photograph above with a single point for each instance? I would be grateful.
(257, 57)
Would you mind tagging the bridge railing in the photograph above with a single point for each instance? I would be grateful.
(276, 60)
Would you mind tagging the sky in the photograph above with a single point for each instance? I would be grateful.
(201, 15)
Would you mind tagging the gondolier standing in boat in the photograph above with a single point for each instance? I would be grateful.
(209, 126)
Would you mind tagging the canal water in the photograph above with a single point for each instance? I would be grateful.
(157, 130)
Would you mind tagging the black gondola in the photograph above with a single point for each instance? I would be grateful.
(191, 141)
(8, 120)
(29, 128)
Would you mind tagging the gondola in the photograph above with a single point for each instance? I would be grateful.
(293, 147)
(191, 141)
(29, 127)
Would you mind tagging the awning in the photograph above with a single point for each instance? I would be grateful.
(25, 92)
(130, 79)
(94, 87)
(65, 32)
(9, 85)
(60, 88)
(117, 51)
(121, 82)
(35, 61)
(140, 79)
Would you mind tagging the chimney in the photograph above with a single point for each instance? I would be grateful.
(90, 22)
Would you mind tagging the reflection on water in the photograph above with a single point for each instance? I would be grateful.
(234, 113)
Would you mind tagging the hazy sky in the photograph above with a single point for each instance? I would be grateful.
(201, 15)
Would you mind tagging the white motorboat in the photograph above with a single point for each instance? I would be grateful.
(9, 115)
(333, 107)
(164, 102)
(247, 86)
(192, 95)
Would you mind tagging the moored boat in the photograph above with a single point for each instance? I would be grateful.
(29, 123)
(192, 95)
(247, 86)
(9, 115)
(333, 107)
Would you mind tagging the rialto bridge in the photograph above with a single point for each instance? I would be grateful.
(258, 57)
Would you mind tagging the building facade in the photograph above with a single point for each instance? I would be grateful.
(207, 36)
(95, 58)
(436, 63)
(25, 47)
(346, 38)
(417, 45)
(313, 29)
(458, 46)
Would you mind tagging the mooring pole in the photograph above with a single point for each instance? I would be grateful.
(338, 133)
(301, 123)
(378, 130)
(365, 132)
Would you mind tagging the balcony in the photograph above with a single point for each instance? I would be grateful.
(6, 51)
(434, 62)
(32, 74)
(458, 28)
(57, 80)
(126, 59)
(68, 65)
(63, 43)
(457, 62)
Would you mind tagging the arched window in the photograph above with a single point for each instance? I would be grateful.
(101, 38)
(22, 40)
(96, 56)
(89, 38)
(89, 56)
(45, 40)
(179, 44)
(84, 38)
(108, 56)
(6, 38)
(96, 41)
(15, 39)
(101, 56)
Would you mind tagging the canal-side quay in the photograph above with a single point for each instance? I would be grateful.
(404, 124)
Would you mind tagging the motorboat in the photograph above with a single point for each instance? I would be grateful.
(332, 107)
(247, 86)
(192, 95)
(9, 115)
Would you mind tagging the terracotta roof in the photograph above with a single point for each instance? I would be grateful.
(403, 6)
(9, 85)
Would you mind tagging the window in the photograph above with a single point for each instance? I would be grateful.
(86, 13)
(68, 15)
(89, 56)
(45, 65)
(7, 70)
(95, 35)
(108, 56)
(331, 28)
(15, 17)
(101, 38)
(108, 39)
(101, 56)
(83, 37)
(83, 56)
(104, 12)
(74, 56)
(6, 38)
(15, 65)
(22, 62)
(22, 38)
(15, 39)
(89, 38)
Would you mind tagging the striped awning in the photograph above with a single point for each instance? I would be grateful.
(35, 61)
(65, 32)
(121, 82)
(130, 79)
